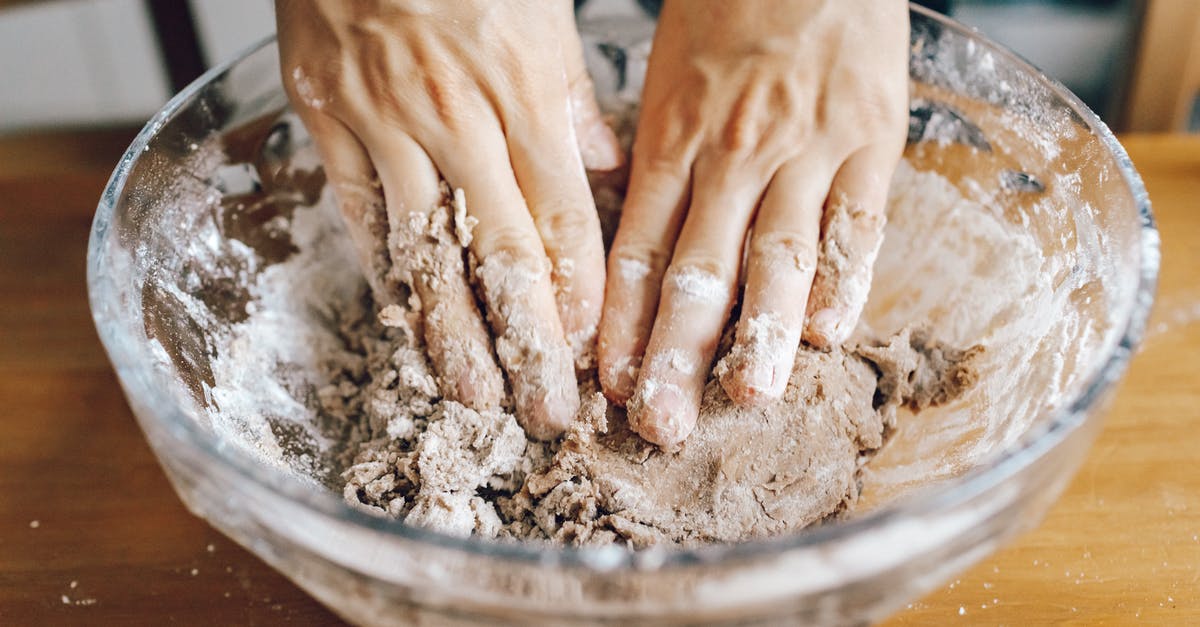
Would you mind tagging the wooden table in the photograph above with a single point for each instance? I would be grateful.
(90, 532)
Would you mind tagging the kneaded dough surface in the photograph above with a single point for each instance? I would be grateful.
(744, 472)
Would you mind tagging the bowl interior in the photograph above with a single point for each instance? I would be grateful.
(1015, 223)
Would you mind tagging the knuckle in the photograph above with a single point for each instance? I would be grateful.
(664, 143)
(449, 109)
(509, 243)
(700, 264)
(654, 183)
(882, 106)
(580, 86)
(876, 114)
(701, 277)
(755, 139)
(791, 247)
(307, 89)
(655, 165)
(743, 134)
(563, 226)
(635, 261)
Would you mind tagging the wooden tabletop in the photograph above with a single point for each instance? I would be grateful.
(91, 533)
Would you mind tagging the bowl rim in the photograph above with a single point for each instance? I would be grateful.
(1030, 448)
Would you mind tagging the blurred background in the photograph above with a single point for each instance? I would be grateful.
(82, 497)
(81, 63)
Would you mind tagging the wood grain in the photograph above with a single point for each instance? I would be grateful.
(1123, 543)
(91, 533)
(1166, 73)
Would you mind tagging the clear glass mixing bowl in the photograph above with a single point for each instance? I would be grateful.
(215, 176)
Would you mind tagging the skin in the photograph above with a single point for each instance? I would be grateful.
(760, 120)
(494, 97)
(758, 117)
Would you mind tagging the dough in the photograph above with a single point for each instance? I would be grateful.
(743, 473)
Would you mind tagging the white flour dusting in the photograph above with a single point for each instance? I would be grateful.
(947, 262)
(306, 90)
(633, 270)
(698, 285)
(957, 259)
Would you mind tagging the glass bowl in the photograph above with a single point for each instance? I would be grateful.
(205, 201)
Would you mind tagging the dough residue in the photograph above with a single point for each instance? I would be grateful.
(743, 473)
(336, 380)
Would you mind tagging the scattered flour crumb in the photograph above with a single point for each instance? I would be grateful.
(66, 600)
(633, 270)
(699, 285)
(677, 360)
(305, 89)
(464, 225)
(392, 316)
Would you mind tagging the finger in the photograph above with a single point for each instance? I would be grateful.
(351, 174)
(514, 275)
(550, 174)
(851, 232)
(780, 265)
(428, 253)
(697, 293)
(598, 145)
(650, 222)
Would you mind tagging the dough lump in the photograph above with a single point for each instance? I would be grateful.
(744, 473)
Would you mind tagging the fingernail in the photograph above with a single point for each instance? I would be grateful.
(551, 415)
(622, 387)
(621, 378)
(600, 148)
(755, 383)
(758, 377)
(665, 400)
(661, 417)
(830, 327)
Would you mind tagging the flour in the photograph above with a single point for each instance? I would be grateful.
(698, 285)
(764, 343)
(306, 90)
(744, 472)
(633, 270)
(850, 240)
(375, 426)
(302, 367)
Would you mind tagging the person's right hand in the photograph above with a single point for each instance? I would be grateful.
(494, 97)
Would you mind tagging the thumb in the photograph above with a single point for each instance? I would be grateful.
(598, 145)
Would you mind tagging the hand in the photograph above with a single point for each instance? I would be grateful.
(494, 97)
(768, 124)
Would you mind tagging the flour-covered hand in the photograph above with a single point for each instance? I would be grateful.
(492, 97)
(769, 131)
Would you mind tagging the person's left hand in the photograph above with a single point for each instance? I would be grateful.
(756, 115)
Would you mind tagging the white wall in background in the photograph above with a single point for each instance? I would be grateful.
(227, 27)
(78, 62)
(1078, 45)
(84, 62)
